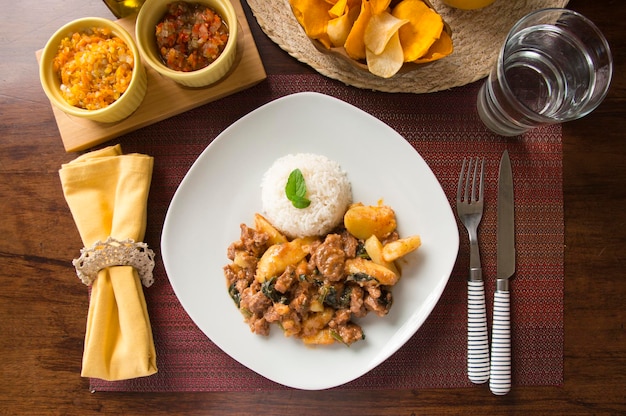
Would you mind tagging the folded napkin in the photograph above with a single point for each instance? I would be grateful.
(107, 194)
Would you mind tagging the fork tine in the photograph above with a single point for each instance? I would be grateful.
(459, 189)
(468, 176)
(477, 182)
(471, 186)
(481, 192)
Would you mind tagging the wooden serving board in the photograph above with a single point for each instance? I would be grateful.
(165, 98)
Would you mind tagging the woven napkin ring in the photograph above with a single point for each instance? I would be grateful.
(114, 252)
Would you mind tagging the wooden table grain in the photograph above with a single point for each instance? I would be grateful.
(43, 313)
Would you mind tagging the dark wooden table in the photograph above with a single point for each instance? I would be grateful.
(43, 312)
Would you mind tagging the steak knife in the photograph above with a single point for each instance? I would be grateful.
(500, 380)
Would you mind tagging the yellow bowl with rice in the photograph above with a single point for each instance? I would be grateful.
(91, 68)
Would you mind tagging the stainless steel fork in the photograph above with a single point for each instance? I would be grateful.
(469, 205)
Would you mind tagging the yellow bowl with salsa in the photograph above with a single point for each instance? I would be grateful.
(173, 43)
(91, 68)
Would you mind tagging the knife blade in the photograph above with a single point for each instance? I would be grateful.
(500, 372)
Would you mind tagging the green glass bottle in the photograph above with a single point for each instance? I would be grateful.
(123, 8)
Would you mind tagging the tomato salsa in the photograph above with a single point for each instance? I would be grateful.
(190, 36)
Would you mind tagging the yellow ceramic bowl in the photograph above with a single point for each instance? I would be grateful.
(118, 110)
(151, 14)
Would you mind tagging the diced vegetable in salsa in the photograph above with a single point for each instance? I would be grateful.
(94, 67)
(190, 36)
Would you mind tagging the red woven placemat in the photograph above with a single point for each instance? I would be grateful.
(443, 128)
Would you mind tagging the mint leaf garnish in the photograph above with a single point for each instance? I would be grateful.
(296, 190)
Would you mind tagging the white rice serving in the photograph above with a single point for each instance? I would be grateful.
(327, 187)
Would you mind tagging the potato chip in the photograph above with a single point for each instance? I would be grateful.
(424, 28)
(441, 48)
(371, 30)
(339, 9)
(389, 62)
(355, 45)
(380, 29)
(339, 28)
(313, 17)
(379, 6)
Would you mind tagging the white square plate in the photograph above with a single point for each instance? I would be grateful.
(222, 190)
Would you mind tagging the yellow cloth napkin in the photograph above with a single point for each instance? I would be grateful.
(107, 194)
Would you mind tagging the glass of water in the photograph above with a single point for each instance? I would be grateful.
(555, 66)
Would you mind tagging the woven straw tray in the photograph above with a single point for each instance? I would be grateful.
(477, 36)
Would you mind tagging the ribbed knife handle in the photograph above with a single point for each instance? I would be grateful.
(500, 381)
(477, 336)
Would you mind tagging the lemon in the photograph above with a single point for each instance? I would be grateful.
(468, 4)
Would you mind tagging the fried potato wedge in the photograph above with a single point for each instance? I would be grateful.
(316, 321)
(400, 248)
(362, 221)
(261, 224)
(323, 337)
(374, 249)
(278, 257)
(359, 266)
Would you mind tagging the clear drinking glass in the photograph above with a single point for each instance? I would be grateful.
(123, 8)
(555, 66)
